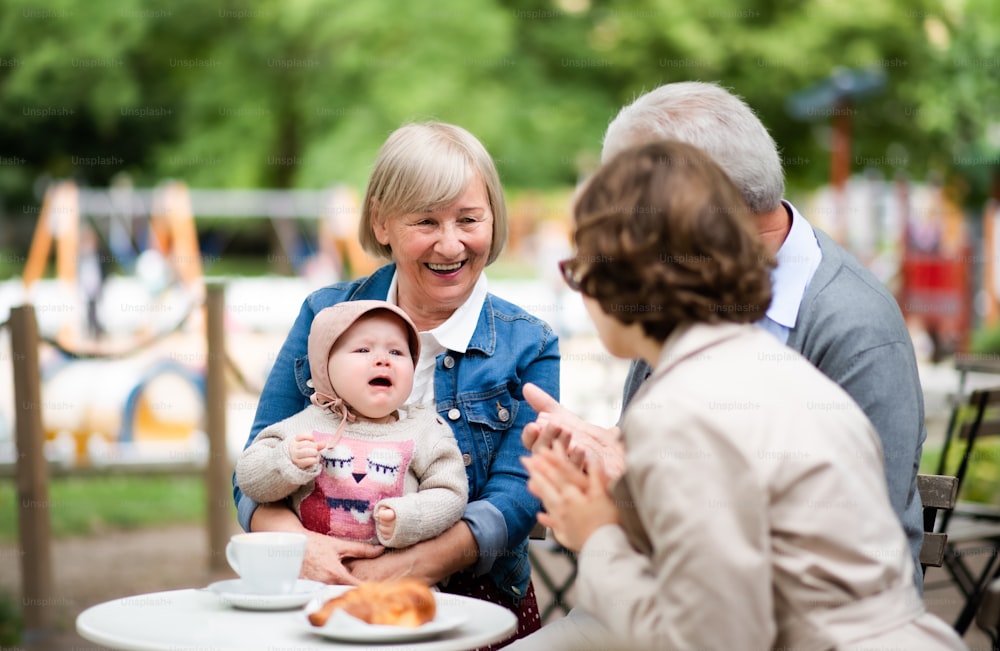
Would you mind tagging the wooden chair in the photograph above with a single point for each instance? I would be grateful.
(938, 493)
(988, 617)
(972, 530)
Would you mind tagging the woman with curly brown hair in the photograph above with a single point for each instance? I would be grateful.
(753, 511)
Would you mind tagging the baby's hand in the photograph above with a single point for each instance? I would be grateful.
(303, 450)
(385, 521)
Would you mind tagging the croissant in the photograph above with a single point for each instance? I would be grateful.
(403, 602)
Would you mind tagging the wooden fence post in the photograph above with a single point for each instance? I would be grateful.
(34, 528)
(218, 471)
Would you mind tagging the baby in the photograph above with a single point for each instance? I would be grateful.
(355, 464)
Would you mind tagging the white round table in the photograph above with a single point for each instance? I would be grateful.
(199, 620)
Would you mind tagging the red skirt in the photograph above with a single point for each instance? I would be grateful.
(526, 608)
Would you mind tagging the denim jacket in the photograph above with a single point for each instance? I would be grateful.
(478, 393)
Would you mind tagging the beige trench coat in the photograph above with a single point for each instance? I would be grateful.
(755, 512)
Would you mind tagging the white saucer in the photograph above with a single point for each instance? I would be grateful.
(345, 628)
(233, 592)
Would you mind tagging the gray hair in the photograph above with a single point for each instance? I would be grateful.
(713, 119)
(427, 165)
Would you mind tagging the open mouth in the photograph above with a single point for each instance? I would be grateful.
(380, 382)
(446, 268)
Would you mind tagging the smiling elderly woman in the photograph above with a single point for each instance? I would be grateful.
(435, 208)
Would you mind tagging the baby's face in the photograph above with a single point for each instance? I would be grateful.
(370, 366)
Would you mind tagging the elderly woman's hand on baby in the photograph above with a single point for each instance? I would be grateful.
(327, 556)
(577, 503)
(587, 445)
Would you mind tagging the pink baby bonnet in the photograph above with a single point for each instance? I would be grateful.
(327, 327)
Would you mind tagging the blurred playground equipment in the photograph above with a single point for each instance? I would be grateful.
(132, 387)
(123, 365)
(108, 393)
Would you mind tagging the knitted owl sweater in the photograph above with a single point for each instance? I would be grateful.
(413, 466)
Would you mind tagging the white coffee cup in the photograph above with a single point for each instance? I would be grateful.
(268, 562)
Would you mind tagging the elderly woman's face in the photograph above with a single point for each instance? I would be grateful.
(440, 254)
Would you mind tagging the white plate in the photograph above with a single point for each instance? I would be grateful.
(234, 593)
(345, 628)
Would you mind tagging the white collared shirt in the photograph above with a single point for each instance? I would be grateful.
(798, 258)
(454, 334)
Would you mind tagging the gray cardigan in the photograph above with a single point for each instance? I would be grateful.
(850, 327)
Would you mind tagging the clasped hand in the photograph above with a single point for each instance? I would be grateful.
(588, 445)
(570, 469)
(577, 503)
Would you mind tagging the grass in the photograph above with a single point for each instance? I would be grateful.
(982, 479)
(85, 506)
(512, 269)
(11, 264)
(11, 622)
(239, 266)
(91, 505)
(88, 506)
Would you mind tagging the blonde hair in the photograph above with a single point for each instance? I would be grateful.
(428, 165)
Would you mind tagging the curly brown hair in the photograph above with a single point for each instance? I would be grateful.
(664, 237)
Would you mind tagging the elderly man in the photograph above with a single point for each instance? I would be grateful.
(826, 306)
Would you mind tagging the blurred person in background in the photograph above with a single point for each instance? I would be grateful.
(93, 269)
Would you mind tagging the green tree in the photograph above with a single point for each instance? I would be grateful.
(302, 93)
(959, 108)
